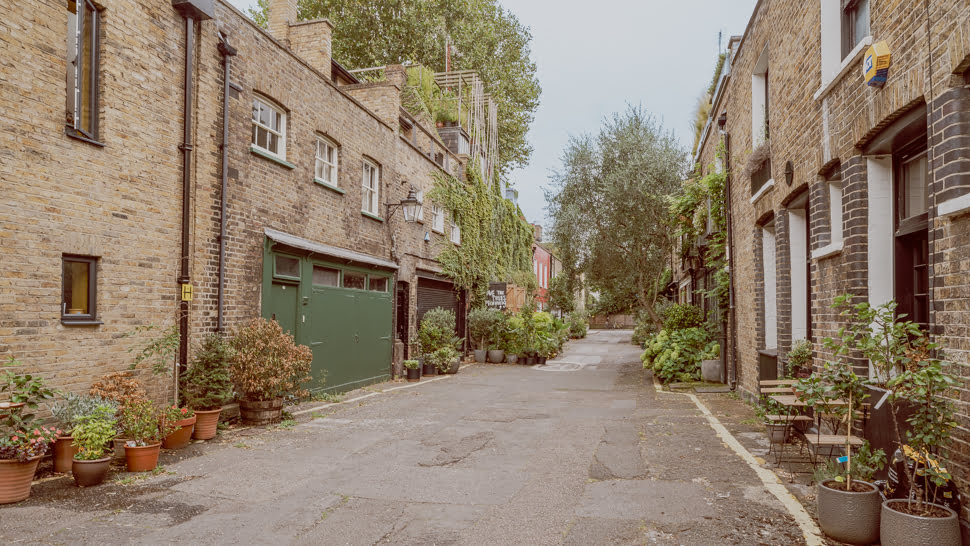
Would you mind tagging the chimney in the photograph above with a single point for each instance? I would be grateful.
(538, 230)
(281, 14)
(312, 41)
(396, 74)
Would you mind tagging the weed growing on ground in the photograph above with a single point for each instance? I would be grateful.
(754, 421)
(241, 445)
(135, 478)
(317, 415)
(327, 397)
(286, 424)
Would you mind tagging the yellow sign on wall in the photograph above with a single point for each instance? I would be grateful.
(186, 292)
(875, 67)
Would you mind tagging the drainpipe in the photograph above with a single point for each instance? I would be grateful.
(227, 52)
(732, 369)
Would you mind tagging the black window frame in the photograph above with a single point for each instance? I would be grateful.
(77, 66)
(850, 12)
(911, 242)
(91, 317)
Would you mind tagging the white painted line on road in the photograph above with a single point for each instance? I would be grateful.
(810, 531)
(407, 386)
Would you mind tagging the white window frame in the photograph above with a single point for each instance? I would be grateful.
(320, 162)
(455, 233)
(768, 250)
(759, 106)
(437, 219)
(260, 102)
(834, 64)
(370, 187)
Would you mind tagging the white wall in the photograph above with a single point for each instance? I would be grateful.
(798, 246)
(880, 229)
(771, 284)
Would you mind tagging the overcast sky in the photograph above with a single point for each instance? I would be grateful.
(594, 58)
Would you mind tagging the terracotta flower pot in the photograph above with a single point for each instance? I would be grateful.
(414, 375)
(206, 424)
(64, 452)
(261, 412)
(181, 436)
(142, 459)
(15, 478)
(89, 473)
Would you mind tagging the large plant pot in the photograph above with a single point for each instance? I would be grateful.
(206, 424)
(848, 516)
(182, 435)
(496, 356)
(512, 359)
(414, 375)
(15, 478)
(777, 434)
(879, 428)
(64, 452)
(453, 369)
(540, 360)
(261, 412)
(901, 529)
(529, 360)
(142, 458)
(480, 355)
(89, 473)
(429, 370)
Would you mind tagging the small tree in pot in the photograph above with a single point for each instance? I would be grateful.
(266, 366)
(144, 429)
(68, 413)
(496, 336)
(207, 385)
(480, 329)
(850, 513)
(92, 433)
(436, 332)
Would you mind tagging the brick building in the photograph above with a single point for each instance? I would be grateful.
(839, 187)
(287, 219)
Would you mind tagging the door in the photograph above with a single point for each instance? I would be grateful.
(403, 316)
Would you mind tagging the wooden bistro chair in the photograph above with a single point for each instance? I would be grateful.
(828, 445)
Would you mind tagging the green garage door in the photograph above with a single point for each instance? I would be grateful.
(343, 313)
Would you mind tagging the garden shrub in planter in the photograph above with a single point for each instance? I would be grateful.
(68, 413)
(436, 332)
(413, 370)
(482, 324)
(93, 433)
(848, 503)
(143, 429)
(268, 365)
(207, 384)
(22, 441)
(676, 355)
(799, 359)
(182, 421)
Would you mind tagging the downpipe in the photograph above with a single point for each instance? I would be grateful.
(186, 147)
(732, 369)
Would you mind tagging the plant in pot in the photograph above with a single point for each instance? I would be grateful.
(68, 413)
(143, 428)
(182, 422)
(93, 433)
(848, 502)
(444, 359)
(207, 385)
(799, 358)
(496, 334)
(528, 332)
(413, 370)
(480, 329)
(22, 442)
(437, 331)
(266, 366)
(121, 388)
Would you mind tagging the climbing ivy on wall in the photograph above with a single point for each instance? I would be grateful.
(496, 242)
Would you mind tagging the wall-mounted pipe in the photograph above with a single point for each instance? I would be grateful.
(186, 147)
(227, 52)
(733, 367)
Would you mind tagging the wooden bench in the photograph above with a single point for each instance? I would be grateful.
(788, 418)
(826, 444)
(776, 382)
(777, 390)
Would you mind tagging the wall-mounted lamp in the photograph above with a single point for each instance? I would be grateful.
(427, 236)
(789, 173)
(410, 204)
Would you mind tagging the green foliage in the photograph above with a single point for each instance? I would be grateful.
(28, 389)
(141, 423)
(495, 241)
(443, 358)
(76, 407)
(437, 330)
(485, 37)
(609, 207)
(207, 384)
(865, 464)
(94, 431)
(159, 351)
(578, 325)
(486, 326)
(680, 316)
(799, 356)
(676, 355)
(411, 364)
(562, 293)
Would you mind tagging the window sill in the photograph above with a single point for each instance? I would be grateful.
(87, 322)
(442, 232)
(762, 191)
(73, 133)
(329, 186)
(266, 155)
(951, 207)
(372, 216)
(847, 63)
(828, 250)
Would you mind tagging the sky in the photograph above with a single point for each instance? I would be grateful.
(596, 58)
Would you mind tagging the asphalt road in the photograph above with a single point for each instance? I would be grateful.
(582, 451)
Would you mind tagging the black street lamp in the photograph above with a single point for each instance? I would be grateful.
(410, 204)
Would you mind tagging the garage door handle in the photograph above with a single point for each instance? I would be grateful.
(356, 338)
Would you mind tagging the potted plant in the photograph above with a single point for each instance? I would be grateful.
(413, 371)
(207, 385)
(437, 331)
(121, 388)
(799, 358)
(68, 413)
(182, 420)
(22, 442)
(266, 366)
(479, 329)
(92, 435)
(445, 359)
(143, 430)
(848, 503)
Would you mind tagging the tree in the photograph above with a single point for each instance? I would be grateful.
(610, 207)
(483, 36)
(562, 293)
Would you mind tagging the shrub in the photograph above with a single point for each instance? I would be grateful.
(682, 316)
(578, 325)
(94, 430)
(207, 384)
(676, 355)
(121, 387)
(76, 407)
(799, 356)
(411, 364)
(267, 364)
(141, 423)
(486, 326)
(443, 357)
(28, 389)
(437, 330)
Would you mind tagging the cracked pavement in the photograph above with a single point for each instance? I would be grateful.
(583, 453)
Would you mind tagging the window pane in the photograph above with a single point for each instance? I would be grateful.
(76, 285)
(277, 122)
(264, 114)
(255, 132)
(861, 21)
(353, 280)
(324, 276)
(328, 173)
(378, 284)
(914, 188)
(256, 110)
(273, 144)
(86, 69)
(287, 267)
